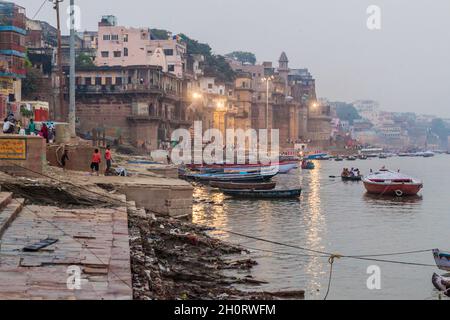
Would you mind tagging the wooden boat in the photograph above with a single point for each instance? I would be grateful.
(351, 178)
(263, 194)
(338, 159)
(351, 158)
(442, 259)
(281, 166)
(441, 283)
(232, 177)
(243, 185)
(387, 182)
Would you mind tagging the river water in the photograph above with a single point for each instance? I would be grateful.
(339, 217)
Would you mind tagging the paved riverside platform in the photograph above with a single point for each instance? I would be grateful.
(93, 241)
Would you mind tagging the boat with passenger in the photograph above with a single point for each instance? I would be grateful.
(386, 182)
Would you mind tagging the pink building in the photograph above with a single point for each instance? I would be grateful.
(122, 46)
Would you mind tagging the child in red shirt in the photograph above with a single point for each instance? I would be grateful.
(96, 159)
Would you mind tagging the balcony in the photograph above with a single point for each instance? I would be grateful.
(117, 89)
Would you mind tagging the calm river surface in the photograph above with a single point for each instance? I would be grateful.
(336, 216)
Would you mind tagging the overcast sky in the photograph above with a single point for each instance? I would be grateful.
(405, 65)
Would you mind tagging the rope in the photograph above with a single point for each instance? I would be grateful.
(39, 10)
(331, 262)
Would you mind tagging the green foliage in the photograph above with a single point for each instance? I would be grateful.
(84, 60)
(159, 34)
(242, 56)
(439, 128)
(195, 47)
(29, 83)
(215, 65)
(25, 112)
(346, 112)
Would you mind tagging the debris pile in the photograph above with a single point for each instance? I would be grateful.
(172, 259)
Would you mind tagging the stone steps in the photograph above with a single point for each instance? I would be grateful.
(9, 212)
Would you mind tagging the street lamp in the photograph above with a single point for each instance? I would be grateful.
(267, 80)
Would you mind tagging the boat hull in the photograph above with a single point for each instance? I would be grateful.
(442, 259)
(395, 189)
(263, 194)
(243, 186)
(356, 178)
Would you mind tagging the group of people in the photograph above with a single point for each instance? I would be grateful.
(353, 172)
(13, 126)
(95, 161)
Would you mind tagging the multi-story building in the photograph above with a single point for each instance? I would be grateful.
(137, 104)
(122, 46)
(12, 55)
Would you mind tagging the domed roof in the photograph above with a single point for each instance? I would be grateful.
(158, 58)
(283, 57)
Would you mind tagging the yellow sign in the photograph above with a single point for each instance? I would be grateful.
(13, 149)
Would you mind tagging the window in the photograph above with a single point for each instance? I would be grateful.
(168, 52)
(125, 52)
(210, 85)
(88, 81)
(98, 81)
(125, 38)
(106, 37)
(115, 37)
(119, 81)
(108, 81)
(105, 54)
(171, 67)
(117, 54)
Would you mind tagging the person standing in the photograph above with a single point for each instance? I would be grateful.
(32, 127)
(108, 158)
(95, 163)
(64, 159)
(44, 132)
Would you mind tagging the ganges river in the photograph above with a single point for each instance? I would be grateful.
(339, 217)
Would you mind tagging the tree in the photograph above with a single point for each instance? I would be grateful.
(159, 34)
(346, 112)
(215, 65)
(84, 60)
(439, 128)
(242, 56)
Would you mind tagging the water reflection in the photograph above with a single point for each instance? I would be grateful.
(336, 216)
(315, 226)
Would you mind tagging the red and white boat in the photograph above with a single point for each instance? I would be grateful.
(386, 182)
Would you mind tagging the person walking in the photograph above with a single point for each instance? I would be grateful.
(95, 163)
(108, 158)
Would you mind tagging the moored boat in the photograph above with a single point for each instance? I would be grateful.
(243, 185)
(351, 178)
(351, 158)
(263, 194)
(387, 182)
(441, 283)
(442, 259)
(338, 158)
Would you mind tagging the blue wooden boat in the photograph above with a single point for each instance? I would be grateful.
(263, 194)
(231, 177)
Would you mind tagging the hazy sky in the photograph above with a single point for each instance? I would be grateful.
(405, 65)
